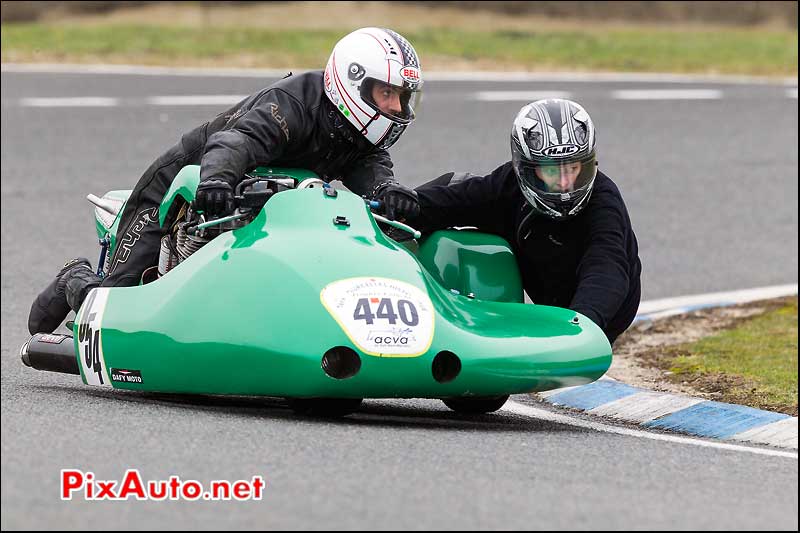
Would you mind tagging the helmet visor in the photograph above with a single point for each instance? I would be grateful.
(395, 103)
(557, 177)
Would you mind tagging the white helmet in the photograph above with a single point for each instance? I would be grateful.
(361, 63)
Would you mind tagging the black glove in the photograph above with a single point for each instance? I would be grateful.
(399, 202)
(214, 197)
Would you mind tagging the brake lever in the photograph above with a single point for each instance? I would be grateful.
(375, 204)
(199, 227)
(399, 225)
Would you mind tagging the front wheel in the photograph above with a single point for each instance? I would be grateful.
(325, 407)
(475, 405)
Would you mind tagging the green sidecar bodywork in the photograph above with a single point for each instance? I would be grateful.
(271, 307)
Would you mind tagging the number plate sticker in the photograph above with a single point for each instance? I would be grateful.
(383, 317)
(90, 345)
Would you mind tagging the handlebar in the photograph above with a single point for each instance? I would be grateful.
(399, 225)
(222, 220)
(258, 196)
(249, 197)
(374, 204)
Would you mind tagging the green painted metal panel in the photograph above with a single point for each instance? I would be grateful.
(473, 262)
(184, 185)
(244, 315)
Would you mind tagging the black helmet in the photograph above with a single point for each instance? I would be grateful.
(554, 157)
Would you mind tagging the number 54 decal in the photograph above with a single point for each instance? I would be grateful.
(383, 317)
(90, 347)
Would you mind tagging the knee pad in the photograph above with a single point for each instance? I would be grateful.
(80, 282)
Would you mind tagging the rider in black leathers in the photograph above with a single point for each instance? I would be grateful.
(295, 122)
(575, 247)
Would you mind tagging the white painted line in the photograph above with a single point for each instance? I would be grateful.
(746, 295)
(662, 314)
(202, 99)
(552, 392)
(625, 77)
(85, 101)
(593, 77)
(542, 414)
(668, 94)
(644, 406)
(791, 93)
(140, 70)
(781, 433)
(514, 96)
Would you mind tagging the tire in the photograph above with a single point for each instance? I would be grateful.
(475, 405)
(325, 407)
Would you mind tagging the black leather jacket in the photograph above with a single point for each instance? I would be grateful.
(291, 123)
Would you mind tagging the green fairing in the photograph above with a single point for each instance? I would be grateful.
(184, 185)
(300, 174)
(243, 315)
(472, 262)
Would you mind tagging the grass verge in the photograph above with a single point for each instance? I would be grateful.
(754, 363)
(768, 52)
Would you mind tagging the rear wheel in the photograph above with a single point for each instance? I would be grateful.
(325, 407)
(476, 405)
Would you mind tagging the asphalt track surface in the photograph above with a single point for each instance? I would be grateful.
(711, 186)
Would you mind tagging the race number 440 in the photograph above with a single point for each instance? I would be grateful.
(383, 317)
(90, 347)
(406, 311)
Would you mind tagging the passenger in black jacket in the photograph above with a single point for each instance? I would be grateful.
(338, 122)
(565, 221)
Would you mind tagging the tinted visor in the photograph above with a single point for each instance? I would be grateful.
(557, 177)
(393, 102)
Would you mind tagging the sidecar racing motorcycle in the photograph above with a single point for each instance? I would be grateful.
(303, 293)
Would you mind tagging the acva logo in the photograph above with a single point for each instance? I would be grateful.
(392, 341)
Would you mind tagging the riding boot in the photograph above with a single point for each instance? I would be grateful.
(67, 291)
